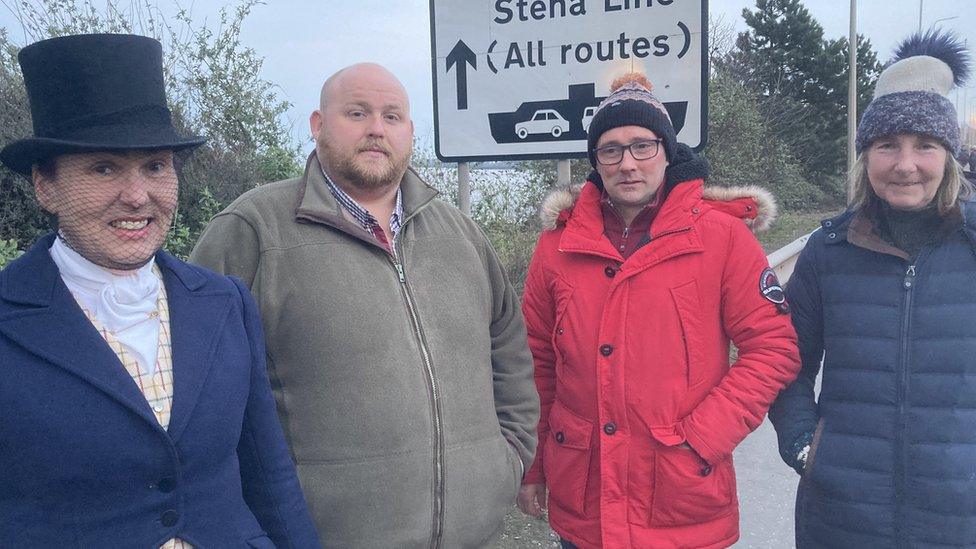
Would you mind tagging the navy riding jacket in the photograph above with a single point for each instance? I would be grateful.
(83, 460)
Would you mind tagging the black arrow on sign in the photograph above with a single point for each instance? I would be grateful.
(461, 55)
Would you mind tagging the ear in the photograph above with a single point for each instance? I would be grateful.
(44, 190)
(315, 123)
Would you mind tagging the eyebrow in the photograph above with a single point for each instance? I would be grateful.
(616, 143)
(123, 155)
(385, 107)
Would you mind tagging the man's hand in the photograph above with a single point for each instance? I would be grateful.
(532, 499)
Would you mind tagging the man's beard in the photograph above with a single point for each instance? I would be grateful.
(367, 177)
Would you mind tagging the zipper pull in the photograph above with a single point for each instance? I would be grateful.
(399, 270)
(626, 231)
(909, 277)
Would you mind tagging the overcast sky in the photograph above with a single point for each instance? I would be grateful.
(304, 41)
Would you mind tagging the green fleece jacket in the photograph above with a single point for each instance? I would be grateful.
(404, 385)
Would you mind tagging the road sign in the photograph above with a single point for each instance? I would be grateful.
(518, 79)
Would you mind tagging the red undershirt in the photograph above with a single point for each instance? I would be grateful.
(627, 239)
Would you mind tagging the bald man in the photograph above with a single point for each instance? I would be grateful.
(395, 342)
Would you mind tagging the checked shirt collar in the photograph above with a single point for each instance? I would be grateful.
(366, 219)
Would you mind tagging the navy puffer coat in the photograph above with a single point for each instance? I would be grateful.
(893, 462)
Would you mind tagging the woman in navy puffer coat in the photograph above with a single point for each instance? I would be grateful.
(885, 295)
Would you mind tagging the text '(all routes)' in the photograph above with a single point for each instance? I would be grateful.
(537, 53)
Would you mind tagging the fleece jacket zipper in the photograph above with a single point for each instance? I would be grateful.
(437, 488)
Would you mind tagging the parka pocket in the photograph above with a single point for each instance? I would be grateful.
(563, 295)
(689, 311)
(687, 490)
(566, 458)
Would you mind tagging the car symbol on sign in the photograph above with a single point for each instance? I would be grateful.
(543, 121)
(588, 113)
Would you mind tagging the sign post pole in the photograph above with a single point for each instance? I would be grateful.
(562, 172)
(464, 188)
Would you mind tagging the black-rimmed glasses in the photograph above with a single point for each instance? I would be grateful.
(614, 154)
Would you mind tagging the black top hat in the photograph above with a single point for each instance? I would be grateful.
(94, 92)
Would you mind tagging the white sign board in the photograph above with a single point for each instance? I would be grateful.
(517, 79)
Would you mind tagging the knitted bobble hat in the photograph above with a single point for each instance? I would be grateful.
(910, 96)
(631, 103)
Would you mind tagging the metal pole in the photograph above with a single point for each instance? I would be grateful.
(464, 188)
(562, 173)
(920, 15)
(852, 95)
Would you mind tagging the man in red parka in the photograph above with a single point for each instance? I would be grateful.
(638, 285)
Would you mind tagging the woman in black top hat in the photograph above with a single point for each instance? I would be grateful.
(135, 408)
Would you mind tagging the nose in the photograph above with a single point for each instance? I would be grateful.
(135, 190)
(377, 126)
(628, 162)
(906, 162)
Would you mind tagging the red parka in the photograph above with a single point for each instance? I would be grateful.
(632, 359)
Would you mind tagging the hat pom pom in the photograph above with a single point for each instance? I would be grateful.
(944, 46)
(631, 77)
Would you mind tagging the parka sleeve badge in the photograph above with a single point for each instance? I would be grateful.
(770, 289)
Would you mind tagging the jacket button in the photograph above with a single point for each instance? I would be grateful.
(170, 518)
(560, 331)
(167, 485)
(560, 437)
(606, 350)
(706, 470)
(610, 271)
(610, 428)
(694, 210)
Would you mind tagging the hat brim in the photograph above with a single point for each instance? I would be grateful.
(20, 156)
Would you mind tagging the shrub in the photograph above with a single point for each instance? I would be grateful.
(8, 252)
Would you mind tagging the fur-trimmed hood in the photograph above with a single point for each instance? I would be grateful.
(754, 205)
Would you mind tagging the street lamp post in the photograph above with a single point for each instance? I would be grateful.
(944, 19)
(852, 92)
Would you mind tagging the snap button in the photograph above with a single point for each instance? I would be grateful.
(610, 271)
(832, 235)
(748, 208)
(167, 485)
(694, 210)
(560, 437)
(706, 470)
(559, 331)
(828, 223)
(610, 428)
(606, 350)
(170, 518)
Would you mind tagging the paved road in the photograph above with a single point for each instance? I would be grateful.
(767, 491)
